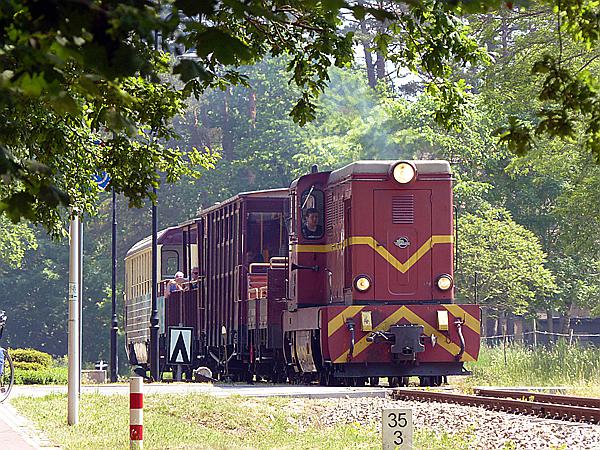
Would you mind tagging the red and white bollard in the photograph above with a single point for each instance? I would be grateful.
(136, 413)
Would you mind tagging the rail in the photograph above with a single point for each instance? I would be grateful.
(521, 405)
(589, 402)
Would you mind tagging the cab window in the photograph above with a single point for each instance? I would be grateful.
(311, 206)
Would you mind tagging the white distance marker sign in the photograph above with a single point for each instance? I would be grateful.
(397, 429)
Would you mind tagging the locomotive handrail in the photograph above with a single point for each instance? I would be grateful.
(278, 262)
(272, 264)
(254, 265)
(236, 283)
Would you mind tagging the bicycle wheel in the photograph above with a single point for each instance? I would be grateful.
(8, 376)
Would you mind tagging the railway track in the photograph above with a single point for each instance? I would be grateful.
(562, 407)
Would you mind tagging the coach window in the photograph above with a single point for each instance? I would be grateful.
(169, 263)
(312, 213)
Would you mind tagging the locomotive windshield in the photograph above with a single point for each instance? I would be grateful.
(312, 213)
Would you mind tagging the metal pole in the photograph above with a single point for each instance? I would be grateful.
(154, 351)
(114, 324)
(73, 374)
(80, 295)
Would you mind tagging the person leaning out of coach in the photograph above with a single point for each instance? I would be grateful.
(179, 283)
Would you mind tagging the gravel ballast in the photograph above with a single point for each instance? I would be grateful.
(472, 427)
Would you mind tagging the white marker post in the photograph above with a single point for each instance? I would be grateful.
(73, 388)
(397, 429)
(136, 413)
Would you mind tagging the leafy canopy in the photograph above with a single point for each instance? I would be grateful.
(73, 72)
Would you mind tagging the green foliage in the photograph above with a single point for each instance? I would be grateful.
(507, 260)
(91, 70)
(36, 367)
(15, 240)
(547, 55)
(31, 356)
(28, 366)
(52, 375)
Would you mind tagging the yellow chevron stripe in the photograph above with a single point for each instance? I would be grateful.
(405, 313)
(338, 321)
(450, 347)
(363, 344)
(381, 250)
(470, 321)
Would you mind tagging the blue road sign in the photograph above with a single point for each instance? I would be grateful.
(102, 180)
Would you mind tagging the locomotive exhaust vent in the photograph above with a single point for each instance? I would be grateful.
(403, 209)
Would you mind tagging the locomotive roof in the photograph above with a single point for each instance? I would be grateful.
(383, 167)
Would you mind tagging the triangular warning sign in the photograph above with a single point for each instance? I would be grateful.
(180, 354)
(180, 346)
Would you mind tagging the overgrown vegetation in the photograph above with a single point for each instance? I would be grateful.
(557, 365)
(212, 423)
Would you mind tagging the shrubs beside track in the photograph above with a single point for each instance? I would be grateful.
(36, 367)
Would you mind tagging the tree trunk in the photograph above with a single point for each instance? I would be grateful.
(370, 66)
(199, 136)
(366, 43)
(496, 326)
(227, 137)
(549, 326)
(504, 30)
(501, 326)
(366, 40)
(380, 64)
(518, 329)
(484, 320)
(566, 322)
(252, 108)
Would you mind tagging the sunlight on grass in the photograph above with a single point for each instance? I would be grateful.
(201, 422)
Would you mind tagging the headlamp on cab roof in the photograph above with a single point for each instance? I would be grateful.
(404, 172)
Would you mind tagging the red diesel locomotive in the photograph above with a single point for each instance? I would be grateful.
(347, 276)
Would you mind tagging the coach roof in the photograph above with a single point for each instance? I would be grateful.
(267, 193)
(434, 166)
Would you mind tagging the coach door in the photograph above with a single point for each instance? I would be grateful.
(402, 228)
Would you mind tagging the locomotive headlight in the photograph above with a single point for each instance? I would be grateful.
(444, 282)
(404, 172)
(362, 283)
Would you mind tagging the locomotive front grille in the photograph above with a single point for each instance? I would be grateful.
(403, 209)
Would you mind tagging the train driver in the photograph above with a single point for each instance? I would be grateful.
(310, 227)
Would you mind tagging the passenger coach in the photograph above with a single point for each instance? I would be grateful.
(347, 276)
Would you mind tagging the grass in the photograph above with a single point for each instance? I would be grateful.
(558, 365)
(195, 421)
